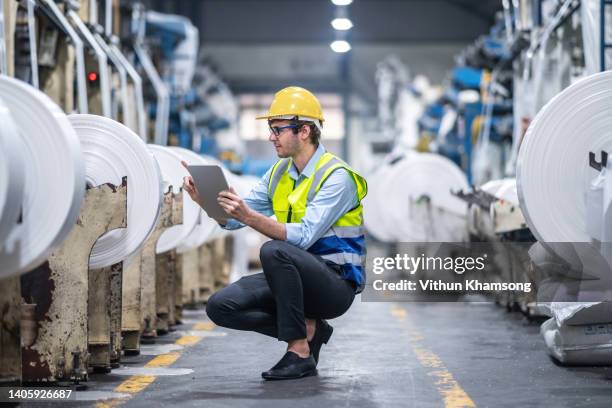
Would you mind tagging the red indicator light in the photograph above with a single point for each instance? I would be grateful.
(92, 76)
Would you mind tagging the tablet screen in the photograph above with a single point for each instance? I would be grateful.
(210, 181)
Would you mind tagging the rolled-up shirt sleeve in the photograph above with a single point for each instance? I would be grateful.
(337, 196)
(257, 200)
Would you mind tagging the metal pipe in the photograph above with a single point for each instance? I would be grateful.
(79, 53)
(105, 89)
(163, 96)
(93, 12)
(108, 18)
(161, 90)
(32, 38)
(508, 21)
(131, 71)
(120, 69)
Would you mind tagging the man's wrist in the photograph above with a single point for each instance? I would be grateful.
(250, 217)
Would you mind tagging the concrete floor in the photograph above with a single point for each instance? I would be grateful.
(381, 354)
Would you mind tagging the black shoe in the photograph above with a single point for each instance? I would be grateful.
(291, 366)
(323, 332)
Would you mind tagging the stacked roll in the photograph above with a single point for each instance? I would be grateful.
(54, 177)
(112, 151)
(553, 172)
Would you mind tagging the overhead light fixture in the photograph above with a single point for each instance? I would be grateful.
(340, 46)
(342, 24)
(342, 2)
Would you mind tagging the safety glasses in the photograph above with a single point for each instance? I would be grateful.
(276, 130)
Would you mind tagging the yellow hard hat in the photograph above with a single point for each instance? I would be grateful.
(294, 101)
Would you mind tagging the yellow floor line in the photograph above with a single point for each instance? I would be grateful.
(138, 383)
(163, 360)
(135, 384)
(188, 340)
(451, 392)
(399, 312)
(204, 326)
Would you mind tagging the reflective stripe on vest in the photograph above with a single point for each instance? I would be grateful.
(344, 242)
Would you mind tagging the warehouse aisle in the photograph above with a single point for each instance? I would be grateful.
(435, 355)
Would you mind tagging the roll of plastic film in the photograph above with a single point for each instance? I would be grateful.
(112, 151)
(374, 215)
(54, 177)
(553, 172)
(170, 164)
(400, 190)
(11, 173)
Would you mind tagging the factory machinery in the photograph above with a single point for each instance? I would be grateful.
(513, 152)
(100, 249)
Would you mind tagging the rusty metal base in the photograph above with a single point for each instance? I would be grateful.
(163, 327)
(131, 342)
(100, 357)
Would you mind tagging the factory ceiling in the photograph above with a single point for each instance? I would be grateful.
(308, 21)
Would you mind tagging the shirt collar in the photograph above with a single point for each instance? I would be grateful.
(310, 167)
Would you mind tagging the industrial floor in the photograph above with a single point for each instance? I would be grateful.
(381, 354)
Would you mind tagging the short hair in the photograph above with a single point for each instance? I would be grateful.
(315, 132)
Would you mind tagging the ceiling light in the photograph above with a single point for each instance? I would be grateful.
(340, 46)
(342, 2)
(342, 24)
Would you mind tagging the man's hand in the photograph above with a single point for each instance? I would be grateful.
(234, 205)
(190, 187)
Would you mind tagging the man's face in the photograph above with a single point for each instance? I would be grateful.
(286, 143)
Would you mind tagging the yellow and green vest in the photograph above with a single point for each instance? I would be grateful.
(344, 242)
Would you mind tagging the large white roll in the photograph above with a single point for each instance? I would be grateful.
(396, 211)
(112, 151)
(553, 172)
(12, 175)
(375, 216)
(54, 177)
(170, 163)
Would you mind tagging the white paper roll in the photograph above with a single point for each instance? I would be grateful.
(11, 173)
(170, 164)
(395, 213)
(112, 151)
(54, 177)
(553, 172)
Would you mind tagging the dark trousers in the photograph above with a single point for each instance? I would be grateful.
(294, 285)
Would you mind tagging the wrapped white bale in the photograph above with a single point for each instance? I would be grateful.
(588, 344)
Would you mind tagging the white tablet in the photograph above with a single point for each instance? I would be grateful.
(210, 181)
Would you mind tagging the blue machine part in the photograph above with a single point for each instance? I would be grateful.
(467, 78)
(496, 48)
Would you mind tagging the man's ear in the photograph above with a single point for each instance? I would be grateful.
(304, 133)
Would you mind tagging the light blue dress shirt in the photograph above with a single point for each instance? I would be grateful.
(337, 196)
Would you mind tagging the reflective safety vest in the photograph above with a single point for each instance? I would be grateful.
(344, 242)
